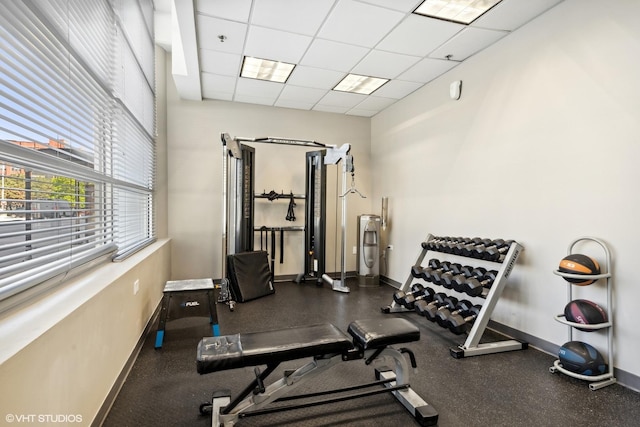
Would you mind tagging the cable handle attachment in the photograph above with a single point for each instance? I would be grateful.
(348, 167)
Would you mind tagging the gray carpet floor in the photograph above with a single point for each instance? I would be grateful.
(505, 389)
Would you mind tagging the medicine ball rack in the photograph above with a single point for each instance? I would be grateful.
(472, 345)
(597, 381)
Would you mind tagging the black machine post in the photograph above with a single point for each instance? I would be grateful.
(241, 204)
(315, 212)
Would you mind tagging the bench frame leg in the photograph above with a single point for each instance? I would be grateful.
(226, 412)
(229, 416)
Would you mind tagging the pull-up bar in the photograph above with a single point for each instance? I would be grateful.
(284, 141)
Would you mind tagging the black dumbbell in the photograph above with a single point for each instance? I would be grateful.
(421, 306)
(497, 251)
(478, 250)
(456, 248)
(438, 276)
(458, 323)
(410, 300)
(400, 297)
(460, 282)
(416, 271)
(450, 246)
(457, 282)
(447, 279)
(474, 287)
(443, 313)
(433, 243)
(425, 299)
(443, 244)
(465, 244)
(433, 266)
(442, 302)
(452, 279)
(473, 249)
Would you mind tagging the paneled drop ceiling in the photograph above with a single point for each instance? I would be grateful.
(326, 40)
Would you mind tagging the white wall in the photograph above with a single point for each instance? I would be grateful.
(195, 177)
(541, 148)
(69, 348)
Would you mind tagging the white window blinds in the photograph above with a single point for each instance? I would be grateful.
(77, 126)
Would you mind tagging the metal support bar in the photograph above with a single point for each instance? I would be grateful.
(225, 209)
(286, 228)
(394, 307)
(283, 141)
(498, 285)
(423, 413)
(281, 195)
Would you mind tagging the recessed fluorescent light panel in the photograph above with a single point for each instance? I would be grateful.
(360, 84)
(461, 11)
(264, 69)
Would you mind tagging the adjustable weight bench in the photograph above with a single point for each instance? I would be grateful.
(328, 346)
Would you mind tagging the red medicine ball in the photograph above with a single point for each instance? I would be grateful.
(579, 264)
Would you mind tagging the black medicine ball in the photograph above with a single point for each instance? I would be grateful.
(579, 264)
(581, 358)
(585, 312)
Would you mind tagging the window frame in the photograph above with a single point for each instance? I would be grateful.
(119, 86)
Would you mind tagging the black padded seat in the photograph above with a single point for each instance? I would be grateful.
(377, 333)
(264, 348)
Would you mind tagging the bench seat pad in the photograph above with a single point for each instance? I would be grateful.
(377, 333)
(262, 348)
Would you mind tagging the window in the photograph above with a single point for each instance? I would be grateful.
(77, 127)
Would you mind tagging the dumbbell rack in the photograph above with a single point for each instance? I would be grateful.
(597, 381)
(472, 345)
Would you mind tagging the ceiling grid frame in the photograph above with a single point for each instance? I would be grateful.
(302, 89)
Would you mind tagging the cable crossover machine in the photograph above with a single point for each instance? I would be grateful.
(238, 202)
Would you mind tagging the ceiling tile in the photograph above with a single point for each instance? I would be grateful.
(226, 64)
(276, 45)
(315, 77)
(221, 96)
(397, 89)
(217, 87)
(236, 10)
(361, 112)
(401, 5)
(254, 99)
(511, 14)
(261, 88)
(375, 103)
(285, 103)
(209, 29)
(301, 94)
(359, 23)
(342, 99)
(331, 109)
(427, 70)
(419, 35)
(384, 64)
(332, 55)
(302, 17)
(467, 42)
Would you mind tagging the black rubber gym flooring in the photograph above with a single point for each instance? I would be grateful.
(506, 389)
